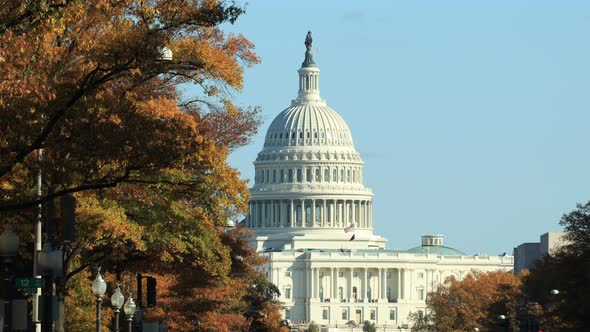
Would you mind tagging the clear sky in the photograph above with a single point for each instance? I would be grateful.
(472, 117)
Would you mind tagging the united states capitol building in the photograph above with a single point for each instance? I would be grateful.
(312, 218)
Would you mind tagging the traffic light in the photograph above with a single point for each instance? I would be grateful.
(151, 291)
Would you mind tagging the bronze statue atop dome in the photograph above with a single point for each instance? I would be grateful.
(308, 40)
(308, 62)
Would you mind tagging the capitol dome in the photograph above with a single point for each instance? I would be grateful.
(308, 182)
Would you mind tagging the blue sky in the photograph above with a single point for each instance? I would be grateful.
(471, 116)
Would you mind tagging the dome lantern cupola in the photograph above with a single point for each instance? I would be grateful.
(309, 78)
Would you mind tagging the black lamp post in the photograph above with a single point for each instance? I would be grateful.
(504, 321)
(117, 300)
(99, 287)
(8, 249)
(129, 309)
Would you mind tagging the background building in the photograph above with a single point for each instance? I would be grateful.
(312, 217)
(527, 253)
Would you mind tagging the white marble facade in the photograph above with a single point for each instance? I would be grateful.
(308, 187)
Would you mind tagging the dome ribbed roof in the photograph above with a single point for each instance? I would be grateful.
(308, 124)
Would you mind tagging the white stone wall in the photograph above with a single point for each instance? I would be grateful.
(397, 281)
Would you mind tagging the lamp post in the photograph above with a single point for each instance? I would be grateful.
(8, 249)
(505, 322)
(117, 300)
(99, 287)
(129, 309)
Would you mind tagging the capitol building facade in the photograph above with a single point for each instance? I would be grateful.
(312, 218)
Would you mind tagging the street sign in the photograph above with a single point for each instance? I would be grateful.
(28, 285)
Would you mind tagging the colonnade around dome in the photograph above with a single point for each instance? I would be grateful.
(322, 213)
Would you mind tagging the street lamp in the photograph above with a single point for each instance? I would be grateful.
(129, 309)
(504, 321)
(554, 292)
(117, 300)
(99, 287)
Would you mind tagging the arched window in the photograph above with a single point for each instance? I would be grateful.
(335, 175)
(299, 219)
(341, 175)
(267, 175)
(299, 175)
(308, 173)
(354, 292)
(326, 175)
(308, 218)
(318, 175)
(261, 176)
(274, 176)
(347, 175)
(282, 179)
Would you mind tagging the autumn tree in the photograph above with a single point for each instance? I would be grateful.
(92, 86)
(92, 100)
(568, 271)
(475, 301)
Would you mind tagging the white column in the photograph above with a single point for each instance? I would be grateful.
(271, 222)
(381, 283)
(324, 215)
(281, 213)
(345, 214)
(400, 294)
(370, 213)
(350, 286)
(366, 288)
(292, 221)
(313, 282)
(303, 213)
(384, 284)
(313, 216)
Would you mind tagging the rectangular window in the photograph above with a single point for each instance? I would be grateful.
(287, 314)
(341, 274)
(299, 175)
(290, 175)
(340, 293)
(308, 174)
(355, 274)
(287, 293)
(420, 314)
(420, 275)
(345, 314)
(318, 175)
(391, 314)
(373, 314)
(325, 313)
(421, 294)
(388, 275)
